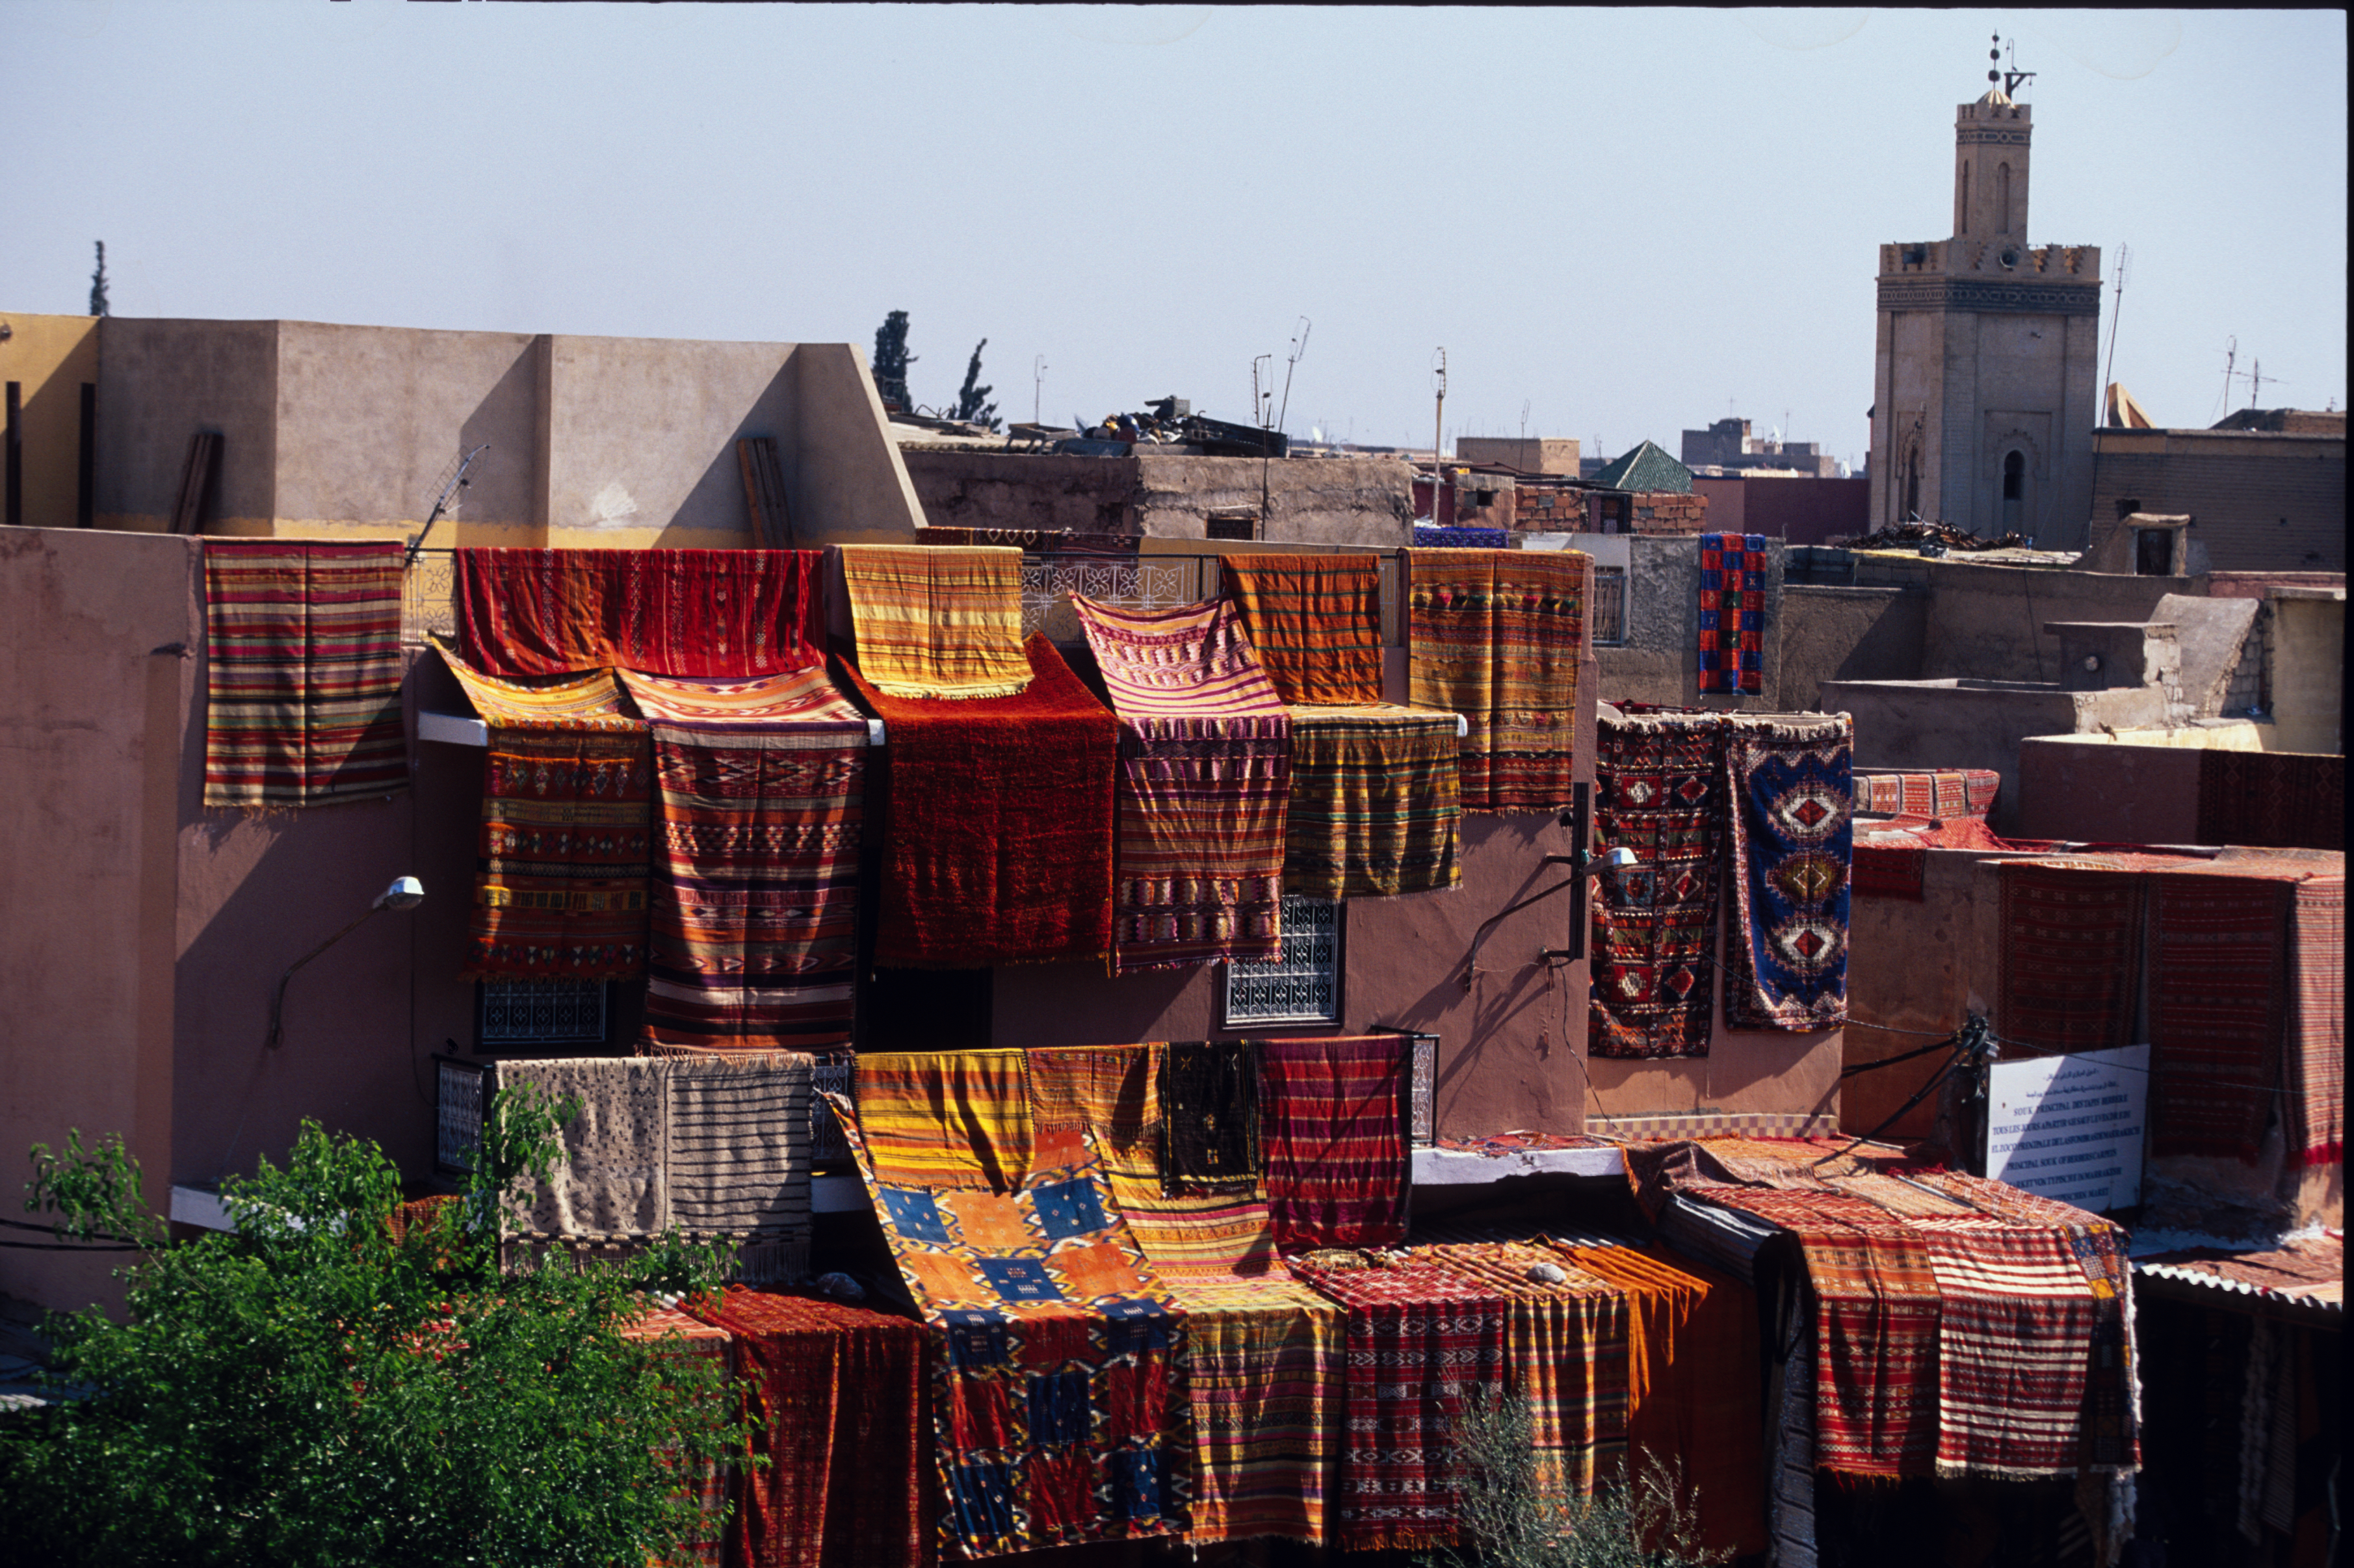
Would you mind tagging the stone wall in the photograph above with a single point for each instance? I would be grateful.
(1330, 501)
(1846, 634)
(2263, 501)
(1660, 661)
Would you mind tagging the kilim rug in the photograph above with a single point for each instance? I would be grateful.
(2315, 1071)
(561, 868)
(1315, 622)
(1417, 1337)
(1876, 1327)
(1209, 1118)
(1732, 613)
(998, 845)
(1332, 1122)
(1659, 791)
(724, 613)
(1060, 1406)
(738, 1160)
(2218, 1011)
(1936, 795)
(1265, 1351)
(1496, 636)
(1374, 808)
(1792, 813)
(2272, 798)
(613, 1179)
(755, 895)
(2071, 957)
(839, 1392)
(1890, 865)
(2016, 1319)
(1204, 781)
(935, 622)
(947, 1119)
(1427, 537)
(301, 673)
(1692, 1384)
(1565, 1353)
(688, 1339)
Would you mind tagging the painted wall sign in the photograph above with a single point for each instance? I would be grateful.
(2070, 1126)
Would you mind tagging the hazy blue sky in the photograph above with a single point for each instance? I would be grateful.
(1623, 221)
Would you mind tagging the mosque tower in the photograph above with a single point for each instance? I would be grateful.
(1986, 365)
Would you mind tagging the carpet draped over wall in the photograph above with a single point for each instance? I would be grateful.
(1659, 792)
(940, 622)
(2071, 955)
(2274, 799)
(303, 672)
(1496, 636)
(1375, 808)
(1791, 809)
(755, 902)
(998, 839)
(728, 614)
(1732, 568)
(1315, 622)
(1204, 781)
(1332, 1120)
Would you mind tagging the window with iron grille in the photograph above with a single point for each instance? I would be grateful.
(1231, 526)
(1606, 622)
(1303, 986)
(457, 1114)
(540, 1013)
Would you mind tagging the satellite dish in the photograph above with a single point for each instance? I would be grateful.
(1316, 433)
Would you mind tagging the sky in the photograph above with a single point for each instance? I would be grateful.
(1619, 224)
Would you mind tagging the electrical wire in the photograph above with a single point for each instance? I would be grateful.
(1943, 1041)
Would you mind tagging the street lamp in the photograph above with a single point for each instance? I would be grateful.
(406, 892)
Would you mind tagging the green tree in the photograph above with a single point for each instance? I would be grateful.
(1512, 1521)
(313, 1388)
(972, 403)
(98, 306)
(892, 359)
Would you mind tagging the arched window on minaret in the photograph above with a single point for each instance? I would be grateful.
(1965, 204)
(2002, 198)
(1912, 485)
(2014, 490)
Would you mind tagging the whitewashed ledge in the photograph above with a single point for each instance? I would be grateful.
(465, 729)
(1465, 1168)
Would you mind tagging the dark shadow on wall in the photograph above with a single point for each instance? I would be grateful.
(715, 503)
(506, 486)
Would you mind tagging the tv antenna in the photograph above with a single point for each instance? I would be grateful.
(2108, 376)
(1259, 400)
(1298, 347)
(1437, 425)
(1525, 419)
(452, 490)
(2011, 76)
(1037, 385)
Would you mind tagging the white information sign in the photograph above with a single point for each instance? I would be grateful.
(2070, 1126)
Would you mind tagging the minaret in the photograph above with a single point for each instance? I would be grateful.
(1986, 363)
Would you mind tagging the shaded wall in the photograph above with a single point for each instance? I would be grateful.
(90, 728)
(1847, 635)
(1986, 622)
(50, 359)
(2262, 500)
(2092, 791)
(1915, 969)
(159, 382)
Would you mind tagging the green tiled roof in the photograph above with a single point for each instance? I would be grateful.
(1645, 468)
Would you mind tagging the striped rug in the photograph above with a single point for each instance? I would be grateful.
(1204, 781)
(2017, 1318)
(303, 672)
(755, 905)
(938, 621)
(1332, 1124)
(945, 1118)
(1375, 808)
(1496, 636)
(1315, 622)
(721, 613)
(738, 1163)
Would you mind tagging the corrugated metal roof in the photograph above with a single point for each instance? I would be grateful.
(2309, 1274)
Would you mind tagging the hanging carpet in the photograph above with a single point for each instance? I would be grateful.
(2015, 1319)
(1332, 1123)
(1732, 569)
(2315, 1072)
(2071, 941)
(303, 672)
(1315, 622)
(686, 1338)
(1936, 794)
(1209, 1118)
(2272, 798)
(938, 622)
(999, 824)
(2218, 1011)
(947, 1118)
(1375, 808)
(1791, 809)
(1659, 792)
(1496, 636)
(727, 614)
(1204, 780)
(755, 899)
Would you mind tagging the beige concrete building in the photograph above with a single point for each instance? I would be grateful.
(1986, 365)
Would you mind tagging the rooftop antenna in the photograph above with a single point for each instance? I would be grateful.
(1298, 347)
(2256, 379)
(456, 482)
(1525, 419)
(1437, 428)
(2108, 376)
(2231, 358)
(2012, 76)
(1259, 400)
(1037, 385)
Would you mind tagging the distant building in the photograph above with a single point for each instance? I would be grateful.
(1525, 454)
(1643, 466)
(1986, 367)
(2265, 489)
(1728, 445)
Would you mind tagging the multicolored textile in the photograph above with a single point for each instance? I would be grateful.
(722, 613)
(1497, 637)
(1315, 622)
(998, 848)
(1060, 1406)
(562, 867)
(939, 623)
(945, 1118)
(1889, 868)
(839, 1392)
(1789, 783)
(1265, 1351)
(1374, 807)
(1204, 781)
(2272, 798)
(1877, 1315)
(1692, 1402)
(1659, 791)
(301, 673)
(1209, 1118)
(1565, 1353)
(688, 1339)
(2015, 1319)
(2071, 957)
(1418, 1338)
(2314, 1074)
(1427, 537)
(2218, 1011)
(755, 904)
(1332, 1120)
(1936, 795)
(1732, 613)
